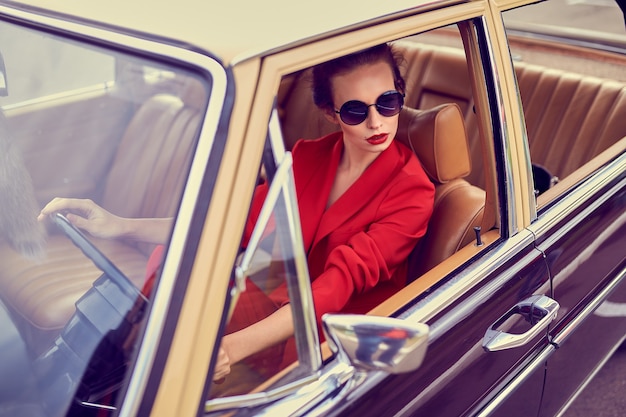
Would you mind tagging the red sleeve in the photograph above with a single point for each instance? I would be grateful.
(154, 262)
(255, 209)
(373, 256)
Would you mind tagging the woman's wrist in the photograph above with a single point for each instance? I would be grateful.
(145, 230)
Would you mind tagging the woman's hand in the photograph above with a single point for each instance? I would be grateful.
(86, 215)
(222, 367)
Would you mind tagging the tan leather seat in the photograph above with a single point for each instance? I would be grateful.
(570, 118)
(438, 138)
(146, 179)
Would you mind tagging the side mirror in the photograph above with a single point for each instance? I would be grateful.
(4, 90)
(376, 343)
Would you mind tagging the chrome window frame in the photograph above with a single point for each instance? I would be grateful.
(298, 282)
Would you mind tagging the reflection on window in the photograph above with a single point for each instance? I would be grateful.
(83, 122)
(265, 270)
(574, 96)
(38, 65)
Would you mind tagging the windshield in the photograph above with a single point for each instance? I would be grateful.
(87, 133)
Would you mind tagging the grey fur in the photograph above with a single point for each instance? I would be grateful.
(18, 206)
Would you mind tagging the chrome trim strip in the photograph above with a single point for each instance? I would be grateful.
(258, 398)
(271, 199)
(550, 217)
(307, 338)
(567, 331)
(99, 406)
(589, 379)
(531, 197)
(299, 396)
(538, 362)
(162, 297)
(304, 317)
(303, 401)
(276, 137)
(427, 308)
(499, 114)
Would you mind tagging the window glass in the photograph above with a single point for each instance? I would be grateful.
(572, 84)
(38, 65)
(262, 268)
(599, 16)
(98, 128)
(434, 66)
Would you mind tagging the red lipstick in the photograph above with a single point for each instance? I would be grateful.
(377, 139)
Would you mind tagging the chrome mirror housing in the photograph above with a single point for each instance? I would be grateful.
(376, 343)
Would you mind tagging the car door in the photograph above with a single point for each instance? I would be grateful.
(584, 246)
(580, 223)
(488, 317)
(503, 294)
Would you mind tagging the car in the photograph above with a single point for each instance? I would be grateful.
(178, 110)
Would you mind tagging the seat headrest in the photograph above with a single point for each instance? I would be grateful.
(438, 138)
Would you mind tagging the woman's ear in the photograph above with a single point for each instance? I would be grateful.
(331, 116)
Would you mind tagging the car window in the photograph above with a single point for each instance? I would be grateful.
(570, 74)
(271, 273)
(437, 73)
(30, 81)
(80, 121)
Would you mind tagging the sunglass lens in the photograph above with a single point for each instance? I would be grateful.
(353, 112)
(390, 103)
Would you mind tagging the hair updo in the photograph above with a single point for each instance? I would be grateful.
(324, 72)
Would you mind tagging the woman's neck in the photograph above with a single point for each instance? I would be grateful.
(350, 168)
(354, 162)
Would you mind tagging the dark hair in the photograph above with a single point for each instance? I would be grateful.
(323, 73)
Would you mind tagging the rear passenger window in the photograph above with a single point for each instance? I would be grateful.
(573, 94)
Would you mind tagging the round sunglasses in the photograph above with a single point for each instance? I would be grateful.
(354, 112)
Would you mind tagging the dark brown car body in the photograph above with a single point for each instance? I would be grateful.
(515, 296)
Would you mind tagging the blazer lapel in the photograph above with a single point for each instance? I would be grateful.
(314, 189)
(366, 188)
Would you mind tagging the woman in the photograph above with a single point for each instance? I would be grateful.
(364, 201)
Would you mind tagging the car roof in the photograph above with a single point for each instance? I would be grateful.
(231, 30)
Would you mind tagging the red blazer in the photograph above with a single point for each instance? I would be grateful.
(357, 250)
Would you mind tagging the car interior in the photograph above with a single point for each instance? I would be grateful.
(571, 117)
(439, 116)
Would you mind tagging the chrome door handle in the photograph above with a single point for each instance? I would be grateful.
(538, 310)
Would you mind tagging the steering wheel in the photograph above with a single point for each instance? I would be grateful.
(99, 259)
(102, 328)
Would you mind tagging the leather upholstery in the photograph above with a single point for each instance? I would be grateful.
(432, 135)
(458, 206)
(152, 161)
(438, 75)
(570, 118)
(145, 180)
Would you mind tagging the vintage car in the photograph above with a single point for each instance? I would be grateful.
(178, 110)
